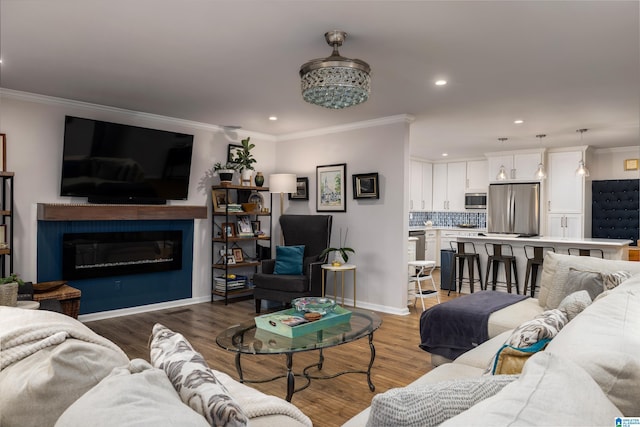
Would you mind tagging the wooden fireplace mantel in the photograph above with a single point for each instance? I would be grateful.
(89, 212)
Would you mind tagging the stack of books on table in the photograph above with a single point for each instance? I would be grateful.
(234, 207)
(234, 282)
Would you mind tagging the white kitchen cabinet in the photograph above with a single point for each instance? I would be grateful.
(449, 183)
(566, 189)
(477, 176)
(519, 166)
(420, 198)
(566, 226)
(566, 195)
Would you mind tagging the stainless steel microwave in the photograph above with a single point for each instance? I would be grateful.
(475, 200)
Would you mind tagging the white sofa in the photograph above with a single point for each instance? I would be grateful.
(600, 346)
(56, 371)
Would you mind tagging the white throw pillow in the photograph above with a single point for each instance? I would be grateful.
(134, 395)
(431, 404)
(551, 391)
(193, 380)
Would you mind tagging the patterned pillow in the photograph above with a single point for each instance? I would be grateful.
(192, 378)
(432, 404)
(574, 303)
(527, 339)
(611, 280)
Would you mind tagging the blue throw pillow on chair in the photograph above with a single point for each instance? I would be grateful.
(289, 260)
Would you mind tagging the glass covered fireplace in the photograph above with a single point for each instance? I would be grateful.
(88, 255)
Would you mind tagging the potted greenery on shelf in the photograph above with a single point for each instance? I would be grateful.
(225, 172)
(9, 289)
(342, 252)
(245, 160)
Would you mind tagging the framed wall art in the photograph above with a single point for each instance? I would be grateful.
(331, 192)
(231, 152)
(3, 152)
(365, 186)
(302, 189)
(629, 165)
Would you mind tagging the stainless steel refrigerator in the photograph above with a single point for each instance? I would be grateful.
(514, 209)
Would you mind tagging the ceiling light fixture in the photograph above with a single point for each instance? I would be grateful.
(518, 121)
(502, 173)
(441, 82)
(582, 169)
(335, 82)
(273, 118)
(540, 173)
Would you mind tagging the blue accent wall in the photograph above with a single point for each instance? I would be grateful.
(115, 292)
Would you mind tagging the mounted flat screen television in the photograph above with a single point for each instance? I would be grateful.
(116, 163)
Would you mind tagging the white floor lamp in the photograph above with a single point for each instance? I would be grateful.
(282, 183)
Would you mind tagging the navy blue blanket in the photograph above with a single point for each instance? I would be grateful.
(455, 327)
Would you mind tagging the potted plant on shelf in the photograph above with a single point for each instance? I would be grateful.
(341, 253)
(245, 159)
(9, 289)
(225, 171)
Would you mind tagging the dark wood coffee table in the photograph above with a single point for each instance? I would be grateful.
(247, 339)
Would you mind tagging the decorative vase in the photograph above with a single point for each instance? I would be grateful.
(245, 177)
(9, 294)
(259, 179)
(337, 259)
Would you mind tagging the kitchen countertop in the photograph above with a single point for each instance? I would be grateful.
(423, 227)
(555, 240)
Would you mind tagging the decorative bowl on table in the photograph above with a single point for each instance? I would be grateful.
(314, 305)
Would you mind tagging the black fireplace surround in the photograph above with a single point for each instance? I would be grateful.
(88, 255)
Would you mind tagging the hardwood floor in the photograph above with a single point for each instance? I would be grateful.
(331, 402)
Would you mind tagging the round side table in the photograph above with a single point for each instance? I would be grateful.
(341, 269)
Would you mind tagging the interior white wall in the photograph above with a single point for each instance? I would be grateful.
(609, 163)
(377, 228)
(34, 126)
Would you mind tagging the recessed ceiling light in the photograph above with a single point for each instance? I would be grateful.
(445, 154)
(518, 122)
(273, 118)
(441, 82)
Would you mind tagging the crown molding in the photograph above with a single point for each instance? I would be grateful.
(70, 103)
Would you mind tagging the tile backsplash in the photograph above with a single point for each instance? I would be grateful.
(448, 219)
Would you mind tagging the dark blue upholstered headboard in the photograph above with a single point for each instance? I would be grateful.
(616, 209)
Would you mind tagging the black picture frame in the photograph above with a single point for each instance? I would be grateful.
(231, 152)
(366, 186)
(302, 189)
(331, 188)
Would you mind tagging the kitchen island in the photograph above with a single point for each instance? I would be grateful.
(612, 249)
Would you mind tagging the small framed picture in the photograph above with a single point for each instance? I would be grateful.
(237, 255)
(244, 226)
(230, 260)
(228, 229)
(302, 189)
(256, 228)
(3, 234)
(331, 189)
(3, 152)
(629, 165)
(219, 198)
(365, 186)
(231, 152)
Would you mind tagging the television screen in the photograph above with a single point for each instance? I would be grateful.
(116, 163)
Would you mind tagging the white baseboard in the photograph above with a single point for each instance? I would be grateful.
(141, 309)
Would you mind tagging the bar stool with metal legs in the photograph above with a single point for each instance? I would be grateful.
(424, 270)
(535, 258)
(586, 252)
(465, 252)
(501, 253)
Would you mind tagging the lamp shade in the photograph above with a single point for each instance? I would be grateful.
(282, 183)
